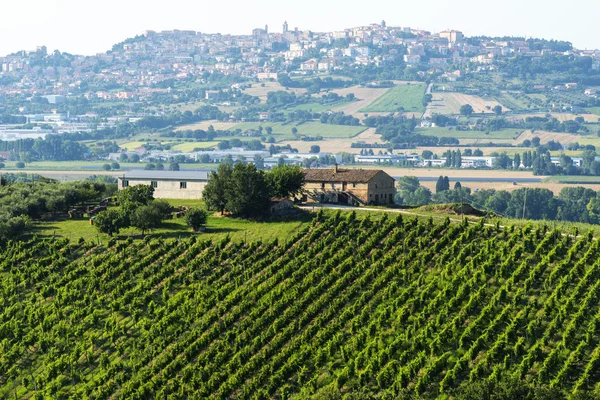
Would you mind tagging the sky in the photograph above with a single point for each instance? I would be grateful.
(90, 27)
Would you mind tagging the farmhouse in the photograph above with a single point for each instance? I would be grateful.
(168, 184)
(349, 186)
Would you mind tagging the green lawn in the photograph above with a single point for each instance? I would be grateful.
(507, 134)
(408, 97)
(283, 131)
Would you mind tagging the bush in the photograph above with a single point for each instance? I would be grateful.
(115, 165)
(20, 164)
(195, 218)
(106, 167)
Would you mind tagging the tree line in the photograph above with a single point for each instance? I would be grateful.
(574, 204)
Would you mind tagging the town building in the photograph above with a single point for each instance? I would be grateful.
(168, 184)
(349, 186)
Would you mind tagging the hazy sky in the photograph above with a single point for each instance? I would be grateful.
(89, 27)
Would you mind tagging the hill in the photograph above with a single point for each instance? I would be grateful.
(356, 306)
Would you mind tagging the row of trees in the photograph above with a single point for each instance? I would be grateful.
(23, 202)
(575, 204)
(245, 191)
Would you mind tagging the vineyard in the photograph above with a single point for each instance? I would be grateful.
(384, 307)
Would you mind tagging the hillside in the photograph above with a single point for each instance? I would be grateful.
(372, 307)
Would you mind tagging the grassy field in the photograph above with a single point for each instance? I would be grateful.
(283, 131)
(408, 97)
(217, 227)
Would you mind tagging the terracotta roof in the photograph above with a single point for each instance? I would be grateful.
(342, 175)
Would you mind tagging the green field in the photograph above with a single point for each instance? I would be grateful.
(341, 307)
(594, 110)
(407, 97)
(283, 131)
(217, 228)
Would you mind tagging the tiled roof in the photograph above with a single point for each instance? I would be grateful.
(342, 175)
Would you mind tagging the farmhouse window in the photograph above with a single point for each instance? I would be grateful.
(322, 186)
(154, 184)
(182, 185)
(125, 183)
(354, 185)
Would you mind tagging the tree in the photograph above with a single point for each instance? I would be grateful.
(517, 161)
(294, 131)
(497, 109)
(150, 166)
(110, 221)
(315, 149)
(443, 183)
(145, 218)
(135, 158)
(466, 109)
(173, 166)
(285, 181)
(20, 164)
(259, 161)
(215, 191)
(2, 165)
(477, 153)
(535, 142)
(123, 157)
(195, 218)
(248, 193)
(427, 154)
(269, 130)
(115, 166)
(457, 185)
(136, 195)
(160, 166)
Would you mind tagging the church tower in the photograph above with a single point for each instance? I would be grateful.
(285, 27)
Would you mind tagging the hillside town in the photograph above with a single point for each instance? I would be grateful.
(135, 68)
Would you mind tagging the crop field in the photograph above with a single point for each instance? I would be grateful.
(316, 107)
(261, 90)
(408, 97)
(364, 97)
(593, 118)
(450, 103)
(283, 131)
(219, 126)
(506, 134)
(190, 146)
(545, 137)
(337, 145)
(382, 307)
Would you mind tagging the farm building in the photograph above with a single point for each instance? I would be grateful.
(168, 184)
(349, 186)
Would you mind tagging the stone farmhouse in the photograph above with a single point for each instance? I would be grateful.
(168, 184)
(349, 186)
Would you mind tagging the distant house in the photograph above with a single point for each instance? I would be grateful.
(168, 184)
(264, 116)
(349, 186)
